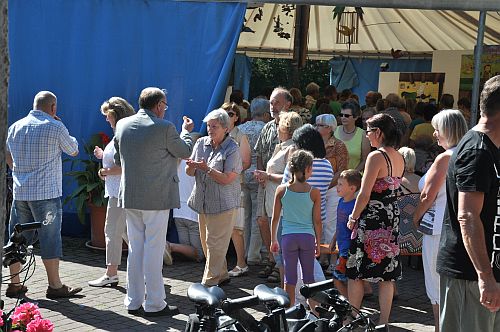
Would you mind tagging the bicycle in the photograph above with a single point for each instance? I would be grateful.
(229, 315)
(18, 250)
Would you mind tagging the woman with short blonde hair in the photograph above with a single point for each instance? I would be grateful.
(449, 128)
(115, 229)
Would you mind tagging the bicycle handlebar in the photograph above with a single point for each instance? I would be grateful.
(229, 305)
(309, 290)
(15, 251)
(27, 226)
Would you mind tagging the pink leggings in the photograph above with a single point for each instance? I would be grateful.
(298, 247)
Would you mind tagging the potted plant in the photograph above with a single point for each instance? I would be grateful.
(90, 189)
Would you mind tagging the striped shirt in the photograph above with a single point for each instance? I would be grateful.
(35, 143)
(321, 178)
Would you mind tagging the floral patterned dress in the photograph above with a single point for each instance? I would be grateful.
(374, 250)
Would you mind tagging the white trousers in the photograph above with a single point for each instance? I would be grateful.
(430, 248)
(330, 223)
(147, 232)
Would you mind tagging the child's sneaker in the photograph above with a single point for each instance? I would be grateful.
(329, 270)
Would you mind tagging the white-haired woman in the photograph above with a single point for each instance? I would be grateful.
(409, 182)
(216, 165)
(337, 155)
(449, 127)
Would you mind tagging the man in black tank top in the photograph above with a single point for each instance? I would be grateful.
(469, 252)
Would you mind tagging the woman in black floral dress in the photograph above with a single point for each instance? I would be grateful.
(374, 252)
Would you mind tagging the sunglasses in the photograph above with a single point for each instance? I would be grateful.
(231, 114)
(371, 130)
(322, 126)
(344, 115)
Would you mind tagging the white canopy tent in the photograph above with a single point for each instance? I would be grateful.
(413, 32)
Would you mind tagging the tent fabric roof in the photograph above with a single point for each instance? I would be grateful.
(414, 32)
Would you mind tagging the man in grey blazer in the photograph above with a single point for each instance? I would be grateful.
(147, 148)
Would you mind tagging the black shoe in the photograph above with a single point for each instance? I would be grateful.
(224, 282)
(169, 310)
(136, 312)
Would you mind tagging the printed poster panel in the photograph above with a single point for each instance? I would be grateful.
(490, 66)
(425, 87)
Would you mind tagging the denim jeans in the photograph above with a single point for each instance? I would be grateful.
(49, 213)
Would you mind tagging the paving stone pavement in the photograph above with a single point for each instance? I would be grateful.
(101, 309)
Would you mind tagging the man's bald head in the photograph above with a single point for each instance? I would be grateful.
(45, 101)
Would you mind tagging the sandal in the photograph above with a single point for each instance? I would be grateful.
(267, 270)
(15, 290)
(63, 292)
(274, 277)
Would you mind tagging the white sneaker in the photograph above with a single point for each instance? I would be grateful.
(104, 281)
(238, 271)
(167, 255)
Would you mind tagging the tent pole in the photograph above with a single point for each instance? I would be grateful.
(478, 52)
(302, 14)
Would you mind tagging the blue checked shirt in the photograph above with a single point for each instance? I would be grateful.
(35, 143)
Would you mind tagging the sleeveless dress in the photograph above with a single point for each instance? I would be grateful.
(374, 250)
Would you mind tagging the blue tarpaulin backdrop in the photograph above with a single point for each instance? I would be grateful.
(86, 51)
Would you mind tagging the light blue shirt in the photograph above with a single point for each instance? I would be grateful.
(36, 143)
(322, 175)
(297, 212)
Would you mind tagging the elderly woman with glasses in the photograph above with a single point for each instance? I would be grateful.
(337, 155)
(233, 111)
(216, 165)
(353, 137)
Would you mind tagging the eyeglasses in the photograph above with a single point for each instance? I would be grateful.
(166, 106)
(231, 114)
(344, 115)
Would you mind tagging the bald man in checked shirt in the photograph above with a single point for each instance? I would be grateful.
(34, 147)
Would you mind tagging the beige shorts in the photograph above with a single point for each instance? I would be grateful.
(240, 219)
(261, 199)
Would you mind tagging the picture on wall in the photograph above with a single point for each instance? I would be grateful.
(490, 66)
(426, 87)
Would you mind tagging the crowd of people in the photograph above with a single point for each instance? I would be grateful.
(303, 187)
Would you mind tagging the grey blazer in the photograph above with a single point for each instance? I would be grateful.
(147, 148)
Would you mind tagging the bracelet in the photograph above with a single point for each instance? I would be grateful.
(351, 218)
(209, 170)
(100, 172)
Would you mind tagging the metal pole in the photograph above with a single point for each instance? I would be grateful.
(4, 85)
(475, 5)
(478, 52)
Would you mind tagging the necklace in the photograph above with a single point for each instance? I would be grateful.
(348, 133)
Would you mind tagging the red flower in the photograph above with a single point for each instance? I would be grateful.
(104, 138)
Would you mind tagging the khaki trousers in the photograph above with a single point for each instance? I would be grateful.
(215, 234)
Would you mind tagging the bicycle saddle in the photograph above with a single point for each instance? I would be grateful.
(266, 294)
(200, 294)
